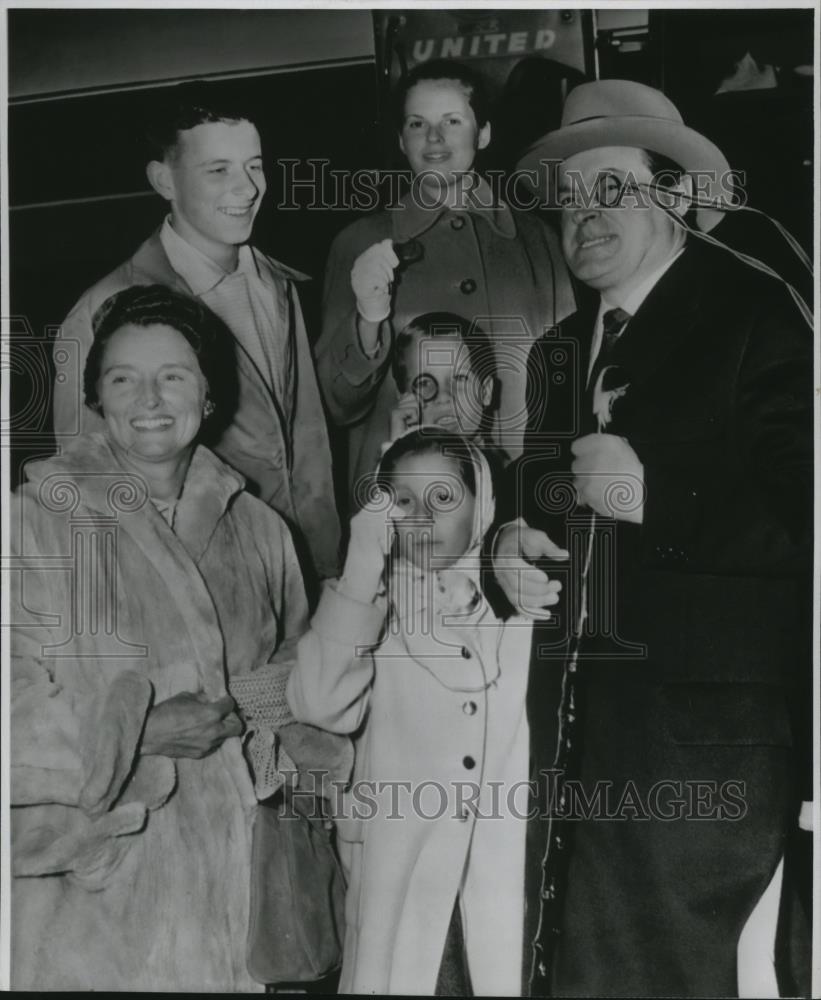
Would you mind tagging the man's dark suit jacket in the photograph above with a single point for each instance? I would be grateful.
(695, 668)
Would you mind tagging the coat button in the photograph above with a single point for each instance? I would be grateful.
(466, 653)
(469, 763)
(468, 286)
(457, 222)
(469, 708)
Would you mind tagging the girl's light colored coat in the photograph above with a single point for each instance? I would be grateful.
(432, 808)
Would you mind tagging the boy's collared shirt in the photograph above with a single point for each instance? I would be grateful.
(240, 298)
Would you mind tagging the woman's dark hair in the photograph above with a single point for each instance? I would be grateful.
(184, 107)
(443, 69)
(428, 441)
(209, 337)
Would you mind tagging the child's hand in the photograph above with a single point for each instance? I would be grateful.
(372, 528)
(372, 531)
(404, 415)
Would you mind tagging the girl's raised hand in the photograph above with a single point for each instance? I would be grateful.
(372, 528)
(372, 531)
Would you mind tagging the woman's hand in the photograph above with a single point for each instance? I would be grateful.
(189, 725)
(372, 531)
(372, 280)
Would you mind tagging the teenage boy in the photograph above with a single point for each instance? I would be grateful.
(206, 162)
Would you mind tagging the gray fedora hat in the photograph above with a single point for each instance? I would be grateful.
(626, 113)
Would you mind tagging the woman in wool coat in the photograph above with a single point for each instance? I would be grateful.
(145, 583)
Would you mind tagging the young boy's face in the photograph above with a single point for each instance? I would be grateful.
(216, 184)
(449, 392)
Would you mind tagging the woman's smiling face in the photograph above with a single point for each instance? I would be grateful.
(151, 392)
(439, 134)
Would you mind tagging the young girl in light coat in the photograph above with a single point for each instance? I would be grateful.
(405, 652)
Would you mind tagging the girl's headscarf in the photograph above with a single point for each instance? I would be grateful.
(435, 609)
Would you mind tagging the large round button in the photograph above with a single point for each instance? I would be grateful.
(457, 222)
(469, 763)
(466, 653)
(469, 708)
(468, 286)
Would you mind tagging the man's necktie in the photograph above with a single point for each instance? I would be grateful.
(613, 323)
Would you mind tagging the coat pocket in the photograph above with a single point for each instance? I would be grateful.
(719, 714)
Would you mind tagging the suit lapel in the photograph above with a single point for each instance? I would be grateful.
(284, 407)
(665, 318)
(579, 329)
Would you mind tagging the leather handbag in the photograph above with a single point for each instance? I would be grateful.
(296, 926)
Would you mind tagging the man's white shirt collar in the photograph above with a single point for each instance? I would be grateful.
(194, 267)
(631, 303)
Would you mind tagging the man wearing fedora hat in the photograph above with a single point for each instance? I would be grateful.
(668, 689)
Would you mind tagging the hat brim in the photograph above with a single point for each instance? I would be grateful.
(691, 150)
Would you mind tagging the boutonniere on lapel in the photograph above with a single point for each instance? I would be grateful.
(610, 386)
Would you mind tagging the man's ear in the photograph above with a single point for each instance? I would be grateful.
(678, 197)
(684, 190)
(159, 177)
(483, 138)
